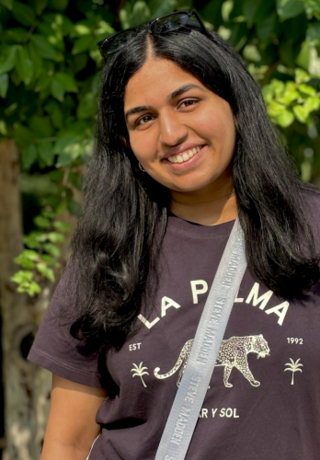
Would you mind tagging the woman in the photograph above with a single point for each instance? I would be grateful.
(184, 146)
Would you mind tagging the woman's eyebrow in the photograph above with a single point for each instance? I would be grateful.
(183, 89)
(139, 108)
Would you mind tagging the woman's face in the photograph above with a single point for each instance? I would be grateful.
(182, 133)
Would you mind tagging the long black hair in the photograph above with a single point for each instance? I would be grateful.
(119, 235)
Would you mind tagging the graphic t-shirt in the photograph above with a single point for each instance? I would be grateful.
(263, 401)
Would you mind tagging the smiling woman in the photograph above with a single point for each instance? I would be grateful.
(183, 135)
(184, 147)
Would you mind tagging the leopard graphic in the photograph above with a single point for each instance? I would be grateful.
(182, 361)
(233, 353)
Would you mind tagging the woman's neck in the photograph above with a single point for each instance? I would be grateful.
(206, 207)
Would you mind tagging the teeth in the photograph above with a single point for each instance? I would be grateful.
(185, 156)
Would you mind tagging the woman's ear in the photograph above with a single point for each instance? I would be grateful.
(125, 141)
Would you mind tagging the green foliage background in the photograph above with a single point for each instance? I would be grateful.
(49, 78)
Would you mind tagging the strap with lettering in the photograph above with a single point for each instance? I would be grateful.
(186, 407)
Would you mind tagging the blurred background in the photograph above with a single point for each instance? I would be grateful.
(49, 79)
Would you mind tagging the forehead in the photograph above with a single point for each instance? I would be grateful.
(156, 79)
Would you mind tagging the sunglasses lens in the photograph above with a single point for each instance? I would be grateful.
(169, 23)
(114, 43)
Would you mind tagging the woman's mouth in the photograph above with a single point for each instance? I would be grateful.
(185, 156)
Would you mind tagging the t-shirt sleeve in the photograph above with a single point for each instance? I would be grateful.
(54, 348)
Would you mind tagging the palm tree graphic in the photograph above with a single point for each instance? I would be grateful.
(293, 367)
(139, 371)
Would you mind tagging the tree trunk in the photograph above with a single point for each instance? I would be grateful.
(26, 386)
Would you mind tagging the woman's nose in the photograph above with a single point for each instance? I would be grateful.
(172, 130)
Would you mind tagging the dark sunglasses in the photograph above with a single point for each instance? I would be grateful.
(159, 26)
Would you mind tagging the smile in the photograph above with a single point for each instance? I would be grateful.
(185, 156)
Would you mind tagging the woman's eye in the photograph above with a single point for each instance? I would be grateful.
(188, 102)
(143, 120)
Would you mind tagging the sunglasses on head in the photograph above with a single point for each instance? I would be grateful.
(159, 26)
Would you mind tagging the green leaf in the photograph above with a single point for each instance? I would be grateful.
(3, 128)
(266, 27)
(160, 8)
(40, 6)
(24, 64)
(7, 58)
(29, 156)
(40, 126)
(85, 43)
(313, 32)
(76, 180)
(27, 258)
(4, 85)
(306, 171)
(81, 29)
(46, 154)
(274, 109)
(301, 76)
(56, 175)
(66, 142)
(306, 90)
(312, 104)
(289, 8)
(290, 94)
(49, 260)
(43, 47)
(34, 288)
(7, 3)
(62, 206)
(29, 254)
(22, 276)
(74, 208)
(268, 93)
(312, 8)
(104, 30)
(251, 53)
(32, 241)
(42, 222)
(52, 249)
(16, 35)
(250, 9)
(301, 113)
(277, 86)
(23, 14)
(45, 271)
(55, 113)
(62, 226)
(303, 58)
(124, 16)
(288, 52)
(67, 82)
(314, 65)
(24, 262)
(55, 237)
(23, 136)
(140, 14)
(87, 107)
(58, 5)
(37, 62)
(57, 90)
(285, 118)
(44, 82)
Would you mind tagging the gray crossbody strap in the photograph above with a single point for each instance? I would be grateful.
(187, 404)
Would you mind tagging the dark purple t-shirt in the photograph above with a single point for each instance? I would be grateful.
(264, 396)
